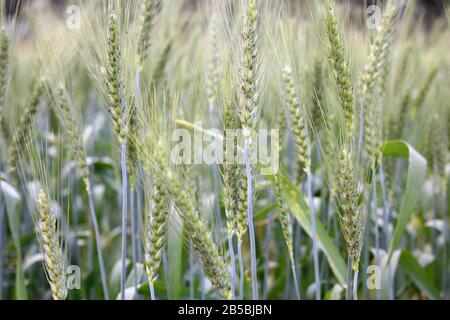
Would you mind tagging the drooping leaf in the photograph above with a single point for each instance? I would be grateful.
(300, 209)
(417, 168)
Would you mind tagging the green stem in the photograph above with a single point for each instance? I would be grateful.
(241, 271)
(124, 219)
(98, 243)
(348, 295)
(251, 227)
(314, 235)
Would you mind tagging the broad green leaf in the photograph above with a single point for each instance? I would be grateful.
(300, 209)
(12, 200)
(418, 275)
(417, 168)
(174, 257)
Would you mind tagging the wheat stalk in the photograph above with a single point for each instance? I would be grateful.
(304, 155)
(248, 112)
(79, 155)
(114, 84)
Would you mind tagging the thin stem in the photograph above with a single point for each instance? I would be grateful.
(98, 242)
(133, 234)
(202, 281)
(251, 227)
(233, 267)
(241, 271)
(137, 87)
(2, 232)
(124, 219)
(297, 253)
(191, 271)
(348, 295)
(139, 209)
(165, 266)
(314, 234)
(374, 208)
(152, 291)
(355, 286)
(385, 206)
(445, 276)
(287, 283)
(294, 276)
(267, 240)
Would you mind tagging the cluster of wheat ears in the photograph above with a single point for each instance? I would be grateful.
(87, 117)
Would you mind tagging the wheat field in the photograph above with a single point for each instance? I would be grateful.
(230, 149)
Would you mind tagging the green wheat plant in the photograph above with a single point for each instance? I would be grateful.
(232, 149)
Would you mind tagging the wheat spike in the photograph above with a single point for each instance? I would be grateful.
(340, 68)
(54, 260)
(155, 231)
(22, 129)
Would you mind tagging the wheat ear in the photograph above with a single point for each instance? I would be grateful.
(351, 215)
(286, 226)
(113, 80)
(23, 127)
(340, 67)
(304, 154)
(439, 152)
(54, 259)
(147, 21)
(116, 107)
(373, 72)
(423, 92)
(80, 156)
(154, 237)
(196, 228)
(318, 101)
(297, 122)
(248, 112)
